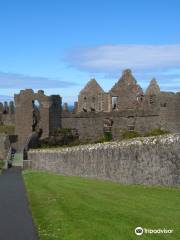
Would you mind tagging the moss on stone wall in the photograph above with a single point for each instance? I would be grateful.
(134, 134)
(156, 132)
(8, 129)
(130, 134)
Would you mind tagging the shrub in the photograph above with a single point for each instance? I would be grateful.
(130, 134)
(107, 136)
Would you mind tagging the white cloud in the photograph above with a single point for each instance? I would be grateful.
(20, 81)
(113, 58)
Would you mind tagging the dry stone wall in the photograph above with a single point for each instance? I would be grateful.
(154, 161)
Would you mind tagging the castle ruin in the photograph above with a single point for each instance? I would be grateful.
(124, 107)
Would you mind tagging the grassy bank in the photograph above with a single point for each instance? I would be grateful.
(74, 208)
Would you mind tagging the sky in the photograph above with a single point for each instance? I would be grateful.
(58, 45)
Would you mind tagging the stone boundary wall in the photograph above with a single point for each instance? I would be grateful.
(153, 160)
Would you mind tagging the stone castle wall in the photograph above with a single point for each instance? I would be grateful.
(170, 111)
(35, 112)
(154, 160)
(4, 146)
(91, 125)
(7, 113)
(126, 106)
(7, 119)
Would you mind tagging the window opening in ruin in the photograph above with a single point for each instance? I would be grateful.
(140, 98)
(152, 99)
(36, 104)
(93, 104)
(114, 102)
(36, 115)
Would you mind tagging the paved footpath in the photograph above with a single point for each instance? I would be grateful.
(15, 216)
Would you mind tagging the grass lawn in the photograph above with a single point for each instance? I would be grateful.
(75, 208)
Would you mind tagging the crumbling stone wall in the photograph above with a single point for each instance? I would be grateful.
(91, 125)
(92, 98)
(128, 107)
(170, 111)
(154, 160)
(31, 118)
(127, 92)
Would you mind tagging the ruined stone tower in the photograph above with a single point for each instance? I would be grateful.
(35, 112)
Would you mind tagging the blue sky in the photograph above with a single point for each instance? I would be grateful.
(59, 45)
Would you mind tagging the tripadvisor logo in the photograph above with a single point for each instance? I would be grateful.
(139, 231)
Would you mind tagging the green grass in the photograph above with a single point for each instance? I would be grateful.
(130, 134)
(8, 129)
(75, 208)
